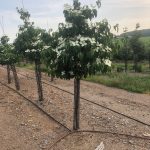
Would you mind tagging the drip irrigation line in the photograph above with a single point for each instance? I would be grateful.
(116, 134)
(101, 132)
(63, 137)
(37, 106)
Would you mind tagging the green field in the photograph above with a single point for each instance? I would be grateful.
(145, 40)
(130, 82)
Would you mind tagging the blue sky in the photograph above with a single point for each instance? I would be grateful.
(48, 13)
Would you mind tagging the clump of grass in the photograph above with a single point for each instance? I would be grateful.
(136, 83)
(26, 65)
(32, 67)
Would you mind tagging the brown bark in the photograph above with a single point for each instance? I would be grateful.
(8, 74)
(38, 79)
(135, 62)
(126, 65)
(15, 77)
(149, 61)
(76, 116)
(52, 78)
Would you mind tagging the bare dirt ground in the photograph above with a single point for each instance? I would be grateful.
(60, 105)
(23, 126)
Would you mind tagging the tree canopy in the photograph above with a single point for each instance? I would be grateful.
(8, 54)
(83, 47)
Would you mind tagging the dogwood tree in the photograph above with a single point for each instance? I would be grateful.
(9, 57)
(29, 43)
(84, 48)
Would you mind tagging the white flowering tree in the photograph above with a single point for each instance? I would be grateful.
(9, 57)
(33, 53)
(83, 48)
(29, 43)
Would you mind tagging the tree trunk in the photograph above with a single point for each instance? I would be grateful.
(8, 74)
(149, 61)
(135, 63)
(52, 78)
(76, 117)
(15, 77)
(38, 79)
(126, 66)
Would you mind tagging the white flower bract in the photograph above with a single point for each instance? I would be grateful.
(46, 47)
(32, 50)
(98, 61)
(68, 25)
(62, 73)
(27, 51)
(107, 62)
(108, 49)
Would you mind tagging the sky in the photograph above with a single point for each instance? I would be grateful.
(48, 13)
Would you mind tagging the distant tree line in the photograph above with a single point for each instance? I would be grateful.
(133, 49)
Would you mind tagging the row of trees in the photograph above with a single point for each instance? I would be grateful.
(132, 49)
(77, 49)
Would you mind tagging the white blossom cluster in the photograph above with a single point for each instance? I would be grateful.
(37, 41)
(58, 52)
(74, 43)
(82, 41)
(101, 47)
(35, 44)
(68, 25)
(61, 41)
(70, 72)
(98, 61)
(46, 47)
(108, 49)
(63, 73)
(60, 48)
(32, 50)
(105, 61)
(76, 12)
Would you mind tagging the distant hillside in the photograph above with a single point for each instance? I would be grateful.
(144, 33)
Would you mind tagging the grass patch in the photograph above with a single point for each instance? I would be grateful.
(27, 66)
(31, 66)
(136, 83)
(145, 40)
